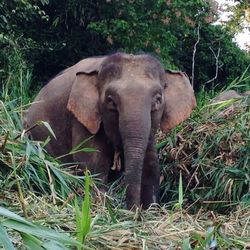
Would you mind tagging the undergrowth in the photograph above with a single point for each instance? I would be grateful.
(212, 152)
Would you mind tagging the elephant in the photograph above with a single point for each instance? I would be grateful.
(120, 100)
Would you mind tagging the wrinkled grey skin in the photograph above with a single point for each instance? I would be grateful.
(122, 99)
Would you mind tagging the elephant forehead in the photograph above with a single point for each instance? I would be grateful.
(131, 74)
(133, 86)
(133, 64)
(137, 81)
(140, 70)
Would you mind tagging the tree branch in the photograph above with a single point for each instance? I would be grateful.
(194, 53)
(217, 66)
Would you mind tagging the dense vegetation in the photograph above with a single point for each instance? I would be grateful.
(51, 35)
(205, 161)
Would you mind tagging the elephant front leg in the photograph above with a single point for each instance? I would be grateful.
(150, 177)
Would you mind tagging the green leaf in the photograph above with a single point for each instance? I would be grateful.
(58, 174)
(88, 150)
(46, 124)
(186, 244)
(40, 231)
(86, 218)
(180, 200)
(6, 213)
(31, 242)
(54, 245)
(80, 144)
(110, 210)
(83, 217)
(78, 220)
(161, 144)
(5, 240)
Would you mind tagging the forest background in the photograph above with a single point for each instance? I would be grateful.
(48, 36)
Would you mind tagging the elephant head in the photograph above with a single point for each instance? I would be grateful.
(131, 96)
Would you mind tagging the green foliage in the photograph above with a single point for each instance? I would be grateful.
(83, 216)
(25, 163)
(149, 232)
(137, 26)
(51, 35)
(13, 12)
(33, 236)
(180, 194)
(18, 38)
(240, 16)
(15, 74)
(25, 167)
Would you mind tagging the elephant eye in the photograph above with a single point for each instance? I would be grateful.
(157, 101)
(110, 102)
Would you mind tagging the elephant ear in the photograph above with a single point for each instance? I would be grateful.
(84, 97)
(179, 99)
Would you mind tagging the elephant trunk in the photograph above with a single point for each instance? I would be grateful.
(135, 131)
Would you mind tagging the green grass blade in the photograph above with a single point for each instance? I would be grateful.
(54, 245)
(186, 244)
(31, 242)
(180, 200)
(5, 240)
(40, 231)
(111, 211)
(77, 147)
(46, 124)
(79, 234)
(83, 217)
(10, 215)
(86, 217)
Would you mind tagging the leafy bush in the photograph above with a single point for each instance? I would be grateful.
(17, 37)
(25, 165)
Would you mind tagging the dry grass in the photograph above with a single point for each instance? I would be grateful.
(156, 228)
(212, 151)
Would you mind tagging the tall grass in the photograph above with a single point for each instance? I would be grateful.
(16, 74)
(24, 164)
(27, 169)
(83, 215)
(26, 161)
(212, 151)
